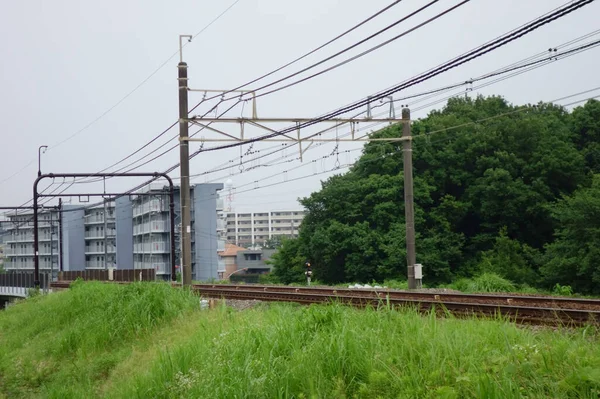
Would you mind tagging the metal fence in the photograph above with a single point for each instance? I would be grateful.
(105, 275)
(23, 280)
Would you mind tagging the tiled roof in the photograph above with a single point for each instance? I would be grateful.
(231, 250)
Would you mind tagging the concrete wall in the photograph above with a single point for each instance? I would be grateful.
(124, 238)
(73, 238)
(205, 231)
(265, 254)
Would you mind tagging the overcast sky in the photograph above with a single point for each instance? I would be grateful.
(65, 63)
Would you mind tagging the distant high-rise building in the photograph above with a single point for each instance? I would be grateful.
(254, 228)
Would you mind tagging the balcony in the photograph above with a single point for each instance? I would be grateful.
(20, 238)
(95, 219)
(162, 268)
(221, 225)
(219, 204)
(151, 206)
(99, 250)
(19, 252)
(158, 226)
(220, 245)
(93, 234)
(157, 247)
(98, 264)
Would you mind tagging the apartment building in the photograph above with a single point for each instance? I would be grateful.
(150, 230)
(132, 232)
(254, 228)
(18, 242)
(100, 237)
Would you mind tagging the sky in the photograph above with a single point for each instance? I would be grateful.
(69, 70)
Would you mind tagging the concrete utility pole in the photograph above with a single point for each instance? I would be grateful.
(105, 236)
(184, 154)
(60, 236)
(409, 209)
(51, 248)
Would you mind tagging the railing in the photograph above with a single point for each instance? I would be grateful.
(99, 218)
(110, 249)
(19, 237)
(150, 206)
(156, 226)
(161, 268)
(104, 275)
(19, 252)
(152, 247)
(100, 234)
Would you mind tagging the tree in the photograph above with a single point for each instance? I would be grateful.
(288, 264)
(574, 258)
(273, 242)
(586, 126)
(470, 182)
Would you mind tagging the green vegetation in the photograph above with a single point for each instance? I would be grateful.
(152, 341)
(62, 345)
(517, 195)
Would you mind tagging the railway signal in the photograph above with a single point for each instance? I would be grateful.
(308, 273)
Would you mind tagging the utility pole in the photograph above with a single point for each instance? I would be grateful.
(60, 236)
(184, 171)
(409, 209)
(51, 249)
(105, 234)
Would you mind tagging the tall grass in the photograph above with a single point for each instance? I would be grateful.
(128, 342)
(339, 352)
(62, 343)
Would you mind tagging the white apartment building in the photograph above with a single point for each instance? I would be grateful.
(100, 235)
(254, 228)
(18, 241)
(151, 232)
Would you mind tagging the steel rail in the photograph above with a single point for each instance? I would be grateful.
(540, 301)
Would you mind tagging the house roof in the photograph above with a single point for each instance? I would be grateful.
(231, 250)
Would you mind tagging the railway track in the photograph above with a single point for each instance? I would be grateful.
(523, 309)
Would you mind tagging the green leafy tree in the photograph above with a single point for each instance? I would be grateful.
(472, 179)
(273, 242)
(574, 258)
(288, 264)
(586, 126)
(511, 260)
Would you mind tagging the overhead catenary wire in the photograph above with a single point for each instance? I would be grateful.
(476, 53)
(515, 66)
(124, 98)
(353, 28)
(417, 137)
(490, 46)
(520, 68)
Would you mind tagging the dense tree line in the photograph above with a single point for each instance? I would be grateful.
(513, 190)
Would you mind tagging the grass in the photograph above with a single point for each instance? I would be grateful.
(150, 341)
(60, 344)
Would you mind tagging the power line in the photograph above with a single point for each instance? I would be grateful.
(484, 49)
(516, 66)
(245, 84)
(119, 102)
(364, 52)
(476, 53)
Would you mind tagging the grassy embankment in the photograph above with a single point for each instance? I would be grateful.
(152, 341)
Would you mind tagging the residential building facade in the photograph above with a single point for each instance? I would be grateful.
(254, 228)
(132, 232)
(19, 241)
